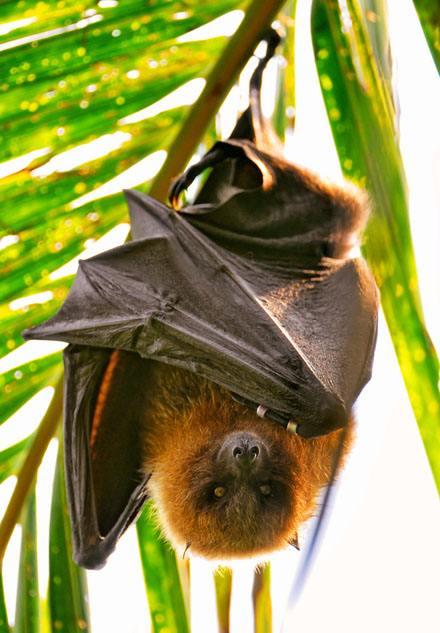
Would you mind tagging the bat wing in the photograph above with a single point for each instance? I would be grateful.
(177, 297)
(106, 490)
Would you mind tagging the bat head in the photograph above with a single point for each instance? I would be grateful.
(227, 483)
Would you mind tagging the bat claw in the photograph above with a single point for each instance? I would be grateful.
(294, 542)
(183, 182)
(180, 185)
(188, 545)
(176, 189)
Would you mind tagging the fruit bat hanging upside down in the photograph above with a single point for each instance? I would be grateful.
(214, 360)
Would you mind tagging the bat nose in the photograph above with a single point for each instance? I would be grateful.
(242, 450)
(245, 452)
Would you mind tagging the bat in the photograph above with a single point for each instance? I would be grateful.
(214, 360)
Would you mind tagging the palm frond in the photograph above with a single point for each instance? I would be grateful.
(361, 115)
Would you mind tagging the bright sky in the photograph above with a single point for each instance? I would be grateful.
(377, 568)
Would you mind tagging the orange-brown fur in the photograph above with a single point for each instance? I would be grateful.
(185, 425)
(104, 389)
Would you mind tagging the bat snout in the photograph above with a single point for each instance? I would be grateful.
(242, 451)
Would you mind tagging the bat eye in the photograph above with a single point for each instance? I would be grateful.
(265, 489)
(219, 491)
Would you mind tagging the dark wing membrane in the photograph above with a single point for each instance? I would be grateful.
(272, 212)
(104, 396)
(175, 297)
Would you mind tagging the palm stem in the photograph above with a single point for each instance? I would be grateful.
(223, 591)
(261, 599)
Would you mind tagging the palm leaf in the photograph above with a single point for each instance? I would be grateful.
(361, 116)
(21, 383)
(29, 466)
(12, 457)
(67, 583)
(27, 612)
(376, 23)
(165, 595)
(429, 15)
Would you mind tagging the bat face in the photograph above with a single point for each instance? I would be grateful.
(225, 482)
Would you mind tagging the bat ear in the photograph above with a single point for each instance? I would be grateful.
(105, 396)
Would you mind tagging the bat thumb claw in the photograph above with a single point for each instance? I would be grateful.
(293, 542)
(188, 545)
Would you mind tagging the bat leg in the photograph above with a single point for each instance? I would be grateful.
(243, 129)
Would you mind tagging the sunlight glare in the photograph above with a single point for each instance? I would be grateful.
(7, 27)
(225, 25)
(182, 96)
(8, 240)
(9, 167)
(12, 554)
(11, 562)
(140, 172)
(81, 154)
(31, 350)
(44, 488)
(35, 37)
(380, 551)
(28, 300)
(119, 583)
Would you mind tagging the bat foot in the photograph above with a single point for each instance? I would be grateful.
(180, 185)
(218, 154)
